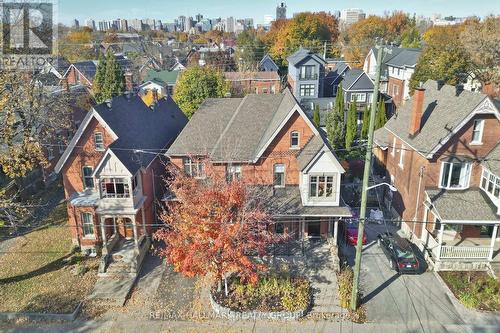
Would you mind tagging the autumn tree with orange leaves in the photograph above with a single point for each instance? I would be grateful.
(214, 227)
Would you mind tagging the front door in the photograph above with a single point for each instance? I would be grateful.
(314, 229)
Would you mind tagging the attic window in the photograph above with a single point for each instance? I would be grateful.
(294, 139)
(98, 141)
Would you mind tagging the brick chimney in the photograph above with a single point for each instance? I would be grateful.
(129, 81)
(417, 111)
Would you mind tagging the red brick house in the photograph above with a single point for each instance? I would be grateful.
(110, 170)
(441, 151)
(253, 82)
(268, 142)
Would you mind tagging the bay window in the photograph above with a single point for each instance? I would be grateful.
(115, 188)
(455, 175)
(490, 183)
(322, 186)
(194, 168)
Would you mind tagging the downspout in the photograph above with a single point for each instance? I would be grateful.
(77, 229)
(421, 175)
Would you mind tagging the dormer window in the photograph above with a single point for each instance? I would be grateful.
(477, 131)
(455, 175)
(294, 139)
(98, 141)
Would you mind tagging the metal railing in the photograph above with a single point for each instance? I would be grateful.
(463, 252)
(308, 77)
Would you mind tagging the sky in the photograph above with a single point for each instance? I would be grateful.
(167, 10)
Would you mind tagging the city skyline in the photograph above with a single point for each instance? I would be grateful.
(154, 9)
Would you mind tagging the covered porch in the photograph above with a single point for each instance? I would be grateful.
(461, 230)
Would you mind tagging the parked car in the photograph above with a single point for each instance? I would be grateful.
(350, 232)
(399, 252)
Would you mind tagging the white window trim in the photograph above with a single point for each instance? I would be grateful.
(487, 174)
(50, 153)
(88, 236)
(95, 142)
(449, 179)
(334, 194)
(298, 140)
(358, 100)
(284, 175)
(192, 162)
(83, 177)
(402, 156)
(393, 151)
(481, 131)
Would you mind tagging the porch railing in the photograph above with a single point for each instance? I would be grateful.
(462, 252)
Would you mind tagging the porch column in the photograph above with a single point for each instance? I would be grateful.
(335, 230)
(143, 220)
(103, 233)
(493, 239)
(134, 225)
(114, 225)
(440, 239)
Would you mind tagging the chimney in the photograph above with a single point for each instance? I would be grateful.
(458, 89)
(417, 111)
(129, 81)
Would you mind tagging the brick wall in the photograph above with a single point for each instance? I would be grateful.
(72, 78)
(396, 95)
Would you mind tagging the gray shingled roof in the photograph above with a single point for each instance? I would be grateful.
(356, 79)
(381, 137)
(233, 129)
(302, 54)
(287, 202)
(443, 111)
(325, 105)
(310, 150)
(407, 57)
(140, 127)
(466, 205)
(492, 161)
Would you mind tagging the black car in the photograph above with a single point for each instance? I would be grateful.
(399, 252)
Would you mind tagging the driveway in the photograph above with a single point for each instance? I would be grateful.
(416, 302)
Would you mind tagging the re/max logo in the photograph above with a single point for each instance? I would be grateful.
(27, 28)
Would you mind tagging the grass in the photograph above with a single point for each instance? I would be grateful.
(39, 274)
(475, 290)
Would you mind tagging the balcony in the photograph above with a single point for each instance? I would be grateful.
(308, 77)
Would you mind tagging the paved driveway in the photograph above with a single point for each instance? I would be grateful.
(416, 302)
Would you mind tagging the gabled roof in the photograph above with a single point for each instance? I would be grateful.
(405, 58)
(236, 129)
(302, 54)
(167, 77)
(335, 75)
(136, 128)
(356, 79)
(269, 60)
(444, 113)
(87, 68)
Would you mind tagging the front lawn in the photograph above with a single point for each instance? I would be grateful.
(276, 291)
(475, 290)
(39, 274)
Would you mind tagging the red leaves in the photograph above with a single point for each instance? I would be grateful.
(213, 227)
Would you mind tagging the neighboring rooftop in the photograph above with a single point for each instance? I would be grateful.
(165, 77)
(443, 110)
(405, 58)
(255, 76)
(302, 54)
(356, 79)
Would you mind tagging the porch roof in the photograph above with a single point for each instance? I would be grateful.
(287, 202)
(84, 199)
(462, 206)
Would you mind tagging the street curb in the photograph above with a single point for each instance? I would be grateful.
(42, 316)
(465, 312)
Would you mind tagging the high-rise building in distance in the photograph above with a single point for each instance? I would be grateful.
(281, 11)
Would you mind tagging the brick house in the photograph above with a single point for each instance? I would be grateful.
(400, 68)
(441, 152)
(268, 142)
(83, 72)
(110, 172)
(253, 82)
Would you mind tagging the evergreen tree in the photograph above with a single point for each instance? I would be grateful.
(381, 117)
(351, 126)
(99, 76)
(335, 121)
(316, 116)
(366, 122)
(108, 80)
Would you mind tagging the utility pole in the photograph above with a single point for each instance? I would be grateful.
(366, 175)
